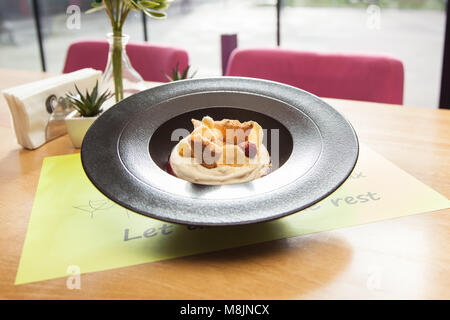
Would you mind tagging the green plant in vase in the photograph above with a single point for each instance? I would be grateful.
(117, 11)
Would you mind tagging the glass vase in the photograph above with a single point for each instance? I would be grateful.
(120, 77)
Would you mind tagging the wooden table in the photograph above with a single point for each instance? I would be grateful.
(410, 255)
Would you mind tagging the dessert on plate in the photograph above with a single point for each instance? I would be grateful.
(220, 152)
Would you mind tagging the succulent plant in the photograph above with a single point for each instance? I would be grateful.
(176, 75)
(90, 104)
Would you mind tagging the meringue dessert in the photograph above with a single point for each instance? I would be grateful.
(220, 152)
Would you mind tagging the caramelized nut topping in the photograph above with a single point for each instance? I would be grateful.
(210, 140)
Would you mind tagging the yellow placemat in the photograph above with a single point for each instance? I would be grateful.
(73, 224)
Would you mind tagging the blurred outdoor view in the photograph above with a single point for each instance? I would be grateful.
(411, 30)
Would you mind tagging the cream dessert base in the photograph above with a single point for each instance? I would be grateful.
(190, 169)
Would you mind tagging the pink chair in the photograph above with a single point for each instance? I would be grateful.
(148, 60)
(364, 77)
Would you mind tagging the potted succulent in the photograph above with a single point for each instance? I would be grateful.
(87, 108)
(177, 75)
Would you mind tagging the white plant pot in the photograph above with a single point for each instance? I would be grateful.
(77, 127)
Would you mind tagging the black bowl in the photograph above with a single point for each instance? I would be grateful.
(125, 151)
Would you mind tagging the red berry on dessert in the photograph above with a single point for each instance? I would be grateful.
(169, 168)
(249, 149)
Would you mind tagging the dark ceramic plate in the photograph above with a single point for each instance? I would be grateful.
(125, 151)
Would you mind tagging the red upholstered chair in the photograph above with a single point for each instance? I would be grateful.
(366, 77)
(148, 60)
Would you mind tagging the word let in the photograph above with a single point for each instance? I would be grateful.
(165, 229)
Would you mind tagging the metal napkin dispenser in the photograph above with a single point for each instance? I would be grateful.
(38, 108)
(58, 109)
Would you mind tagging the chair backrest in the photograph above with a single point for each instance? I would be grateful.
(376, 78)
(150, 61)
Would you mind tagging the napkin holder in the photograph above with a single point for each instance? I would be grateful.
(58, 109)
(38, 109)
